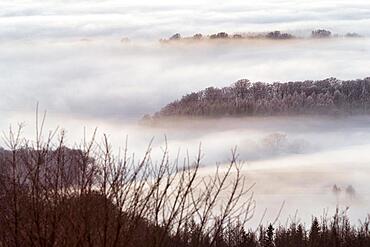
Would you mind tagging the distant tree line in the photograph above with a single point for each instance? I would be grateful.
(243, 98)
(272, 35)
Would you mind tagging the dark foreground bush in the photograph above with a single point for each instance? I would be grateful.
(51, 195)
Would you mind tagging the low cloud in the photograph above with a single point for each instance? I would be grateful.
(107, 78)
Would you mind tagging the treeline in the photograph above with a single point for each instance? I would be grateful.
(243, 98)
(51, 195)
(273, 35)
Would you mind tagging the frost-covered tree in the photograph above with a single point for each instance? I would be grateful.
(329, 96)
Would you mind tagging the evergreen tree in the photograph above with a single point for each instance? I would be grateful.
(314, 236)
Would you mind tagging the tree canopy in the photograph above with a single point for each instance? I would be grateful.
(244, 98)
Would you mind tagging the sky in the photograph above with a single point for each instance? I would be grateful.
(160, 18)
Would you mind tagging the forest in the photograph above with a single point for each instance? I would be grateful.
(51, 195)
(244, 98)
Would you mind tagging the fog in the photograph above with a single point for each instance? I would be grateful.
(68, 57)
(108, 79)
(143, 19)
(291, 160)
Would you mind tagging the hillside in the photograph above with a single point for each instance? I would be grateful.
(244, 98)
(90, 197)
